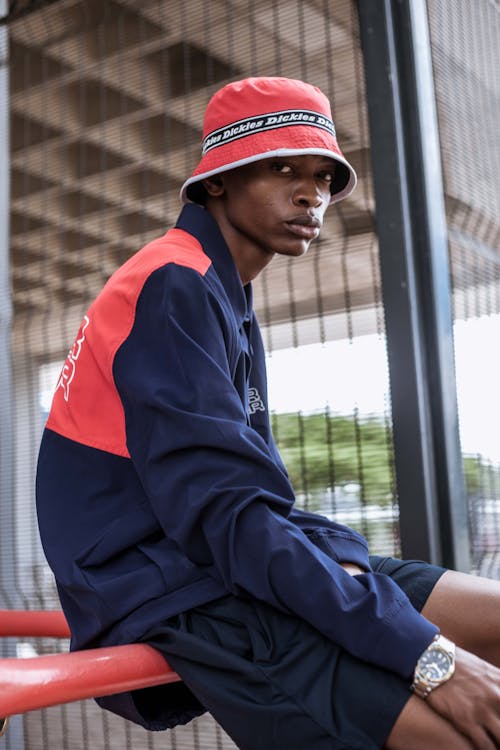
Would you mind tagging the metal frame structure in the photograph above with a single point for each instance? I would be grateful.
(6, 410)
(411, 225)
(6, 413)
(415, 275)
(417, 300)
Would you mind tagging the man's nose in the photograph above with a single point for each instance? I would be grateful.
(308, 194)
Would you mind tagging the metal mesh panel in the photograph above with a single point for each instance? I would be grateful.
(106, 106)
(466, 59)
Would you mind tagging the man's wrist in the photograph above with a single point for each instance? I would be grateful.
(435, 666)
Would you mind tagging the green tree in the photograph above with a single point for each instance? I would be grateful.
(324, 450)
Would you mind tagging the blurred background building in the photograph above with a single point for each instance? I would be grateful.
(101, 107)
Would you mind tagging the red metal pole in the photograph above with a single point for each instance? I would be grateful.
(32, 623)
(29, 684)
(38, 682)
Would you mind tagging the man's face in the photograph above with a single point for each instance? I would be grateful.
(277, 205)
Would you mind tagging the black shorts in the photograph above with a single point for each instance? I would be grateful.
(275, 683)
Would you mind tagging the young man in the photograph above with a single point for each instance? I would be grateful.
(166, 512)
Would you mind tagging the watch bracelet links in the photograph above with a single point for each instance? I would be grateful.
(423, 691)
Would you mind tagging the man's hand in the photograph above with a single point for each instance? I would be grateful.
(470, 700)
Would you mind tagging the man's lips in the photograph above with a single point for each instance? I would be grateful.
(304, 226)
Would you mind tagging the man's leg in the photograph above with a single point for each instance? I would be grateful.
(273, 682)
(467, 610)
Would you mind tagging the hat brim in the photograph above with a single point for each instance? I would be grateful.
(343, 184)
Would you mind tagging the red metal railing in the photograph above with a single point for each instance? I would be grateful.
(41, 681)
(33, 623)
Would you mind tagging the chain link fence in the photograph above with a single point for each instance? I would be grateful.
(106, 106)
(466, 58)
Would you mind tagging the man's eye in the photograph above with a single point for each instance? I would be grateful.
(327, 176)
(281, 167)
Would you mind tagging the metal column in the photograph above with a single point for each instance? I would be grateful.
(15, 736)
(6, 412)
(411, 226)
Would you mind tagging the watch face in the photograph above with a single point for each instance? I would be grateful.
(435, 664)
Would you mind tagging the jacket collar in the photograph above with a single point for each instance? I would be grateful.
(200, 224)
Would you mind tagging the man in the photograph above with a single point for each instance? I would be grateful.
(167, 515)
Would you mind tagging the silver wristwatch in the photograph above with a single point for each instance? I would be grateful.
(435, 666)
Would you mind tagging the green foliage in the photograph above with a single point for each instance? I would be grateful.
(472, 469)
(324, 450)
(482, 477)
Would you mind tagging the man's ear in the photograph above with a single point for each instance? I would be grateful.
(214, 185)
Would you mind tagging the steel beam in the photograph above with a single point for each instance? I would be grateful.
(15, 737)
(6, 408)
(412, 232)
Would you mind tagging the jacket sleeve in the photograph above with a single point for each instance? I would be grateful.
(339, 542)
(219, 495)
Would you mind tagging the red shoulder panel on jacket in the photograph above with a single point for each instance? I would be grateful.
(86, 406)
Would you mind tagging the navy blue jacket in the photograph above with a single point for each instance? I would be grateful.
(159, 485)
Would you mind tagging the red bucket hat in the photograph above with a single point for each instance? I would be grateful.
(258, 118)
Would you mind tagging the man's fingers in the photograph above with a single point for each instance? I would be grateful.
(470, 701)
(493, 729)
(480, 723)
(481, 739)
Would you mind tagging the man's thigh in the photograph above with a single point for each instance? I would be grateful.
(273, 681)
(467, 610)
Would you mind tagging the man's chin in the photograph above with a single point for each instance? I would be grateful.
(296, 250)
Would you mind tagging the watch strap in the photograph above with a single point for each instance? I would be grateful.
(423, 685)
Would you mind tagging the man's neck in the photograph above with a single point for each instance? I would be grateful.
(249, 259)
